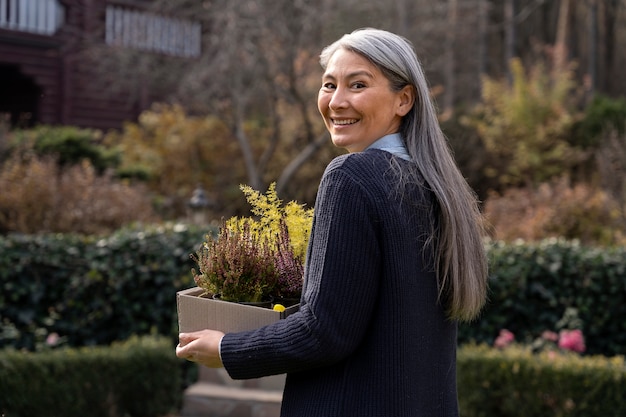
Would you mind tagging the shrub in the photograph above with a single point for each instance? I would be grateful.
(532, 286)
(40, 196)
(90, 290)
(138, 378)
(237, 265)
(524, 125)
(173, 152)
(556, 209)
(514, 382)
(602, 115)
(66, 144)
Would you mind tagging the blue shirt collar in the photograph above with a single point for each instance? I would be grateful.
(393, 144)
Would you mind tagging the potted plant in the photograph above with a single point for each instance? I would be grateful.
(237, 266)
(251, 260)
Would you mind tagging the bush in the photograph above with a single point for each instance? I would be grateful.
(137, 378)
(524, 125)
(533, 285)
(602, 115)
(556, 209)
(174, 151)
(93, 291)
(40, 196)
(516, 383)
(67, 144)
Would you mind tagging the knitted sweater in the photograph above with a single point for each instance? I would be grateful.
(370, 338)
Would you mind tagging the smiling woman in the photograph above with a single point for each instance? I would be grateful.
(357, 102)
(395, 257)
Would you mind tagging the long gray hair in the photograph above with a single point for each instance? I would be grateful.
(460, 255)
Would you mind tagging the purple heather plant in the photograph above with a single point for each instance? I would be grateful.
(237, 265)
(289, 266)
(254, 258)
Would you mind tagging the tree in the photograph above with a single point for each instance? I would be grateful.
(257, 72)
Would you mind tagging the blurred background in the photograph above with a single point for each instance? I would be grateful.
(116, 111)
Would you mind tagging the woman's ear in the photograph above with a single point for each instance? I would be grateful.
(406, 98)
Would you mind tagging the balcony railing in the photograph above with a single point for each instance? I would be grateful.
(43, 17)
(151, 32)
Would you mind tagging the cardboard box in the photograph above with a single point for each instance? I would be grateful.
(198, 313)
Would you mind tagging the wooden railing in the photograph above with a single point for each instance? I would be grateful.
(35, 16)
(151, 32)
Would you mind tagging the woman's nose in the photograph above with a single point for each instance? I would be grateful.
(337, 100)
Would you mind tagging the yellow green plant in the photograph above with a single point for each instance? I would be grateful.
(270, 212)
(255, 258)
(524, 124)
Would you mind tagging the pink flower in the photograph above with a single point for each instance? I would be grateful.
(504, 339)
(572, 340)
(549, 336)
(52, 339)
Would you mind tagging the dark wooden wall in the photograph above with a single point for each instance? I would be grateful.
(69, 91)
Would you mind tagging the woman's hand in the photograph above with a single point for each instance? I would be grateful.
(202, 347)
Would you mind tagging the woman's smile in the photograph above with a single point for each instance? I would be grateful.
(357, 102)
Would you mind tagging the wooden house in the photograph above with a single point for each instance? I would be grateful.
(43, 79)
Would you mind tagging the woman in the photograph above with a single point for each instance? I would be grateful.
(395, 257)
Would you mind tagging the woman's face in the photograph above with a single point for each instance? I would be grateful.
(357, 102)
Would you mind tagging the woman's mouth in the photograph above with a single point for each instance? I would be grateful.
(344, 122)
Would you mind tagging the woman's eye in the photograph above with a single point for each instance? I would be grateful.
(328, 86)
(358, 85)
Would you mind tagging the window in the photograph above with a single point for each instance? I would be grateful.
(35, 16)
(151, 32)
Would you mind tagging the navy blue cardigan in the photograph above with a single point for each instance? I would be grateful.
(370, 338)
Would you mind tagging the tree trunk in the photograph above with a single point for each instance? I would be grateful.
(593, 48)
(448, 98)
(509, 36)
(560, 46)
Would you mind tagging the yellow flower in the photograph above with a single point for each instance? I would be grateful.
(279, 307)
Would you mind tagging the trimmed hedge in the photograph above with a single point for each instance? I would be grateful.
(532, 286)
(137, 378)
(93, 291)
(516, 383)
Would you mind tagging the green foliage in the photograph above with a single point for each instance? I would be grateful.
(532, 285)
(524, 126)
(140, 378)
(93, 291)
(602, 115)
(69, 145)
(70, 290)
(517, 383)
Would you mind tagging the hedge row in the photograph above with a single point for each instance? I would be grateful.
(93, 291)
(137, 378)
(141, 378)
(533, 285)
(517, 383)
